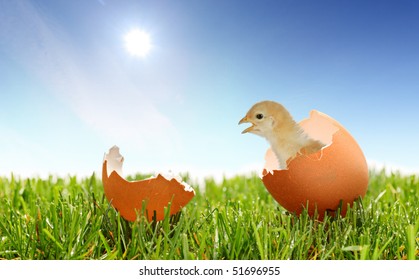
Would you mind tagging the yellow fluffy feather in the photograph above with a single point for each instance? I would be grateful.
(272, 121)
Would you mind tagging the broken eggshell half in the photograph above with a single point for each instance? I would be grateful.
(156, 193)
(320, 182)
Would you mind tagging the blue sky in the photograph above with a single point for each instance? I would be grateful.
(69, 89)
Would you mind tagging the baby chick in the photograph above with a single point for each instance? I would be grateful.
(287, 139)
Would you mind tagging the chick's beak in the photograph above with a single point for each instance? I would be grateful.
(246, 120)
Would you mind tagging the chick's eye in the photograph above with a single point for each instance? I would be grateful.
(259, 116)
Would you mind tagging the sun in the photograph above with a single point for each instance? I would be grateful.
(137, 42)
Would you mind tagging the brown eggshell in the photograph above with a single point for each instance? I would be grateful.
(338, 174)
(128, 197)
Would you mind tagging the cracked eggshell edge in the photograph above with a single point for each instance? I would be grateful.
(338, 172)
(157, 192)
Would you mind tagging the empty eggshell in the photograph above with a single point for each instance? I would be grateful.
(128, 197)
(336, 175)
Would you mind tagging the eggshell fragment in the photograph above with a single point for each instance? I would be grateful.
(128, 197)
(336, 175)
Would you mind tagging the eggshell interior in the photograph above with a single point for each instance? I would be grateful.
(128, 197)
(336, 175)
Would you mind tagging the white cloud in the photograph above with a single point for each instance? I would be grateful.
(390, 167)
(18, 155)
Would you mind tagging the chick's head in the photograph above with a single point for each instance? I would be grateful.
(264, 117)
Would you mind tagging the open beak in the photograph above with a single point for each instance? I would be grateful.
(246, 120)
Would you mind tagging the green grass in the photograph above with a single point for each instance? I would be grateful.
(69, 218)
